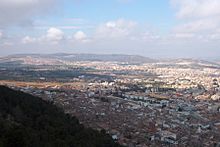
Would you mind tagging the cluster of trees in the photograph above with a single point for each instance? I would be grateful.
(27, 121)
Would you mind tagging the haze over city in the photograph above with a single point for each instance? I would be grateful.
(158, 29)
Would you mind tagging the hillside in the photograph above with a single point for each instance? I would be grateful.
(28, 121)
(56, 58)
(104, 57)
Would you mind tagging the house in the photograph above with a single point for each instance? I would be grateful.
(168, 137)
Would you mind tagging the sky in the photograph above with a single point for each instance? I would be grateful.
(152, 28)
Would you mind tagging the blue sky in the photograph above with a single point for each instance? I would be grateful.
(153, 28)
(90, 13)
(98, 11)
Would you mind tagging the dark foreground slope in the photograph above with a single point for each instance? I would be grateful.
(26, 120)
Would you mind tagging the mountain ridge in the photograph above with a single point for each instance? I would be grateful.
(88, 57)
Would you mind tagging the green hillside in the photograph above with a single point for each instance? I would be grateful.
(28, 121)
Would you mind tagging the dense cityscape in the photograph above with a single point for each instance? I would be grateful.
(143, 102)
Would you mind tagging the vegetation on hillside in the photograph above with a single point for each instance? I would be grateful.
(28, 121)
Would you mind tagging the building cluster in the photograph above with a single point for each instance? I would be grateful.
(141, 105)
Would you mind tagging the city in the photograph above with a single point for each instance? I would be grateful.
(154, 103)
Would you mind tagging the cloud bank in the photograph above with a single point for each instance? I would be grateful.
(22, 12)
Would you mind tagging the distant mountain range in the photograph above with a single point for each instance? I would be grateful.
(58, 58)
(82, 57)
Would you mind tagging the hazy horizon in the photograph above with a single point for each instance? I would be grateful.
(156, 57)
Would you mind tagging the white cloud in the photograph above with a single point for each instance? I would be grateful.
(54, 35)
(21, 12)
(200, 19)
(214, 36)
(28, 39)
(122, 31)
(1, 35)
(150, 36)
(80, 36)
(196, 8)
(116, 29)
(183, 35)
(200, 25)
(7, 43)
